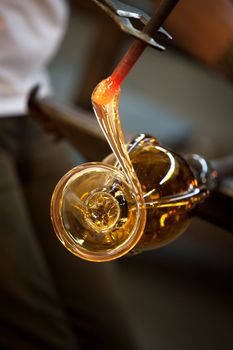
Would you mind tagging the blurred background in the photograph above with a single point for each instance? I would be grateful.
(178, 297)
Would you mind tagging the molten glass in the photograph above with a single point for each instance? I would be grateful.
(139, 198)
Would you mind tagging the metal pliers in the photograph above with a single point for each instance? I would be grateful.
(122, 14)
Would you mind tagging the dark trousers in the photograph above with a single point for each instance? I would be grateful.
(49, 299)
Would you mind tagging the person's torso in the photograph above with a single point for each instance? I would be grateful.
(30, 31)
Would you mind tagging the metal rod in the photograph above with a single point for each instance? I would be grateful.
(137, 48)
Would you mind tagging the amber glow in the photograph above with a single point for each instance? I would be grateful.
(105, 91)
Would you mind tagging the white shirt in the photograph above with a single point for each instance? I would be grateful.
(30, 31)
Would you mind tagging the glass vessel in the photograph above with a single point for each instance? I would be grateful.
(97, 215)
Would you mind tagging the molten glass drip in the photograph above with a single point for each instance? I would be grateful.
(98, 211)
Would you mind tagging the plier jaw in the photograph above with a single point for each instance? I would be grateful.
(122, 14)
